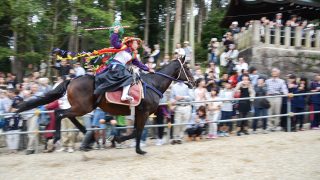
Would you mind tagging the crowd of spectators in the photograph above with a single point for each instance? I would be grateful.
(226, 76)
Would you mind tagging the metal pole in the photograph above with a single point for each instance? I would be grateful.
(289, 112)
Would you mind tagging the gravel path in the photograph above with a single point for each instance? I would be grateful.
(264, 156)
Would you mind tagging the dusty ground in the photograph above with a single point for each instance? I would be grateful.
(271, 156)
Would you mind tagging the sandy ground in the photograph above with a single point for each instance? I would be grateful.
(264, 156)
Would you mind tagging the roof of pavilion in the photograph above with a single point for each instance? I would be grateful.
(245, 10)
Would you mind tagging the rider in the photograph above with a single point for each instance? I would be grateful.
(117, 75)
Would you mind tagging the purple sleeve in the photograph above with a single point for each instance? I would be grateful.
(140, 65)
(115, 41)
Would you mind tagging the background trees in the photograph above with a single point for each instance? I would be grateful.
(30, 29)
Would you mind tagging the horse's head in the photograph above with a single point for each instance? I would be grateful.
(184, 73)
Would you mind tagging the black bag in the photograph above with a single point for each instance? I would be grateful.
(265, 103)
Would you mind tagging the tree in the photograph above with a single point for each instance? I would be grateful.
(146, 26)
(177, 24)
(167, 30)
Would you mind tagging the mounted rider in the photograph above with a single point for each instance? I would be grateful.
(117, 74)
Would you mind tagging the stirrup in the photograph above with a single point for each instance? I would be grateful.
(127, 98)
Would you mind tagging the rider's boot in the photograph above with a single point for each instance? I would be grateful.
(125, 94)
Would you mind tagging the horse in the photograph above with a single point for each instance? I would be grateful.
(82, 100)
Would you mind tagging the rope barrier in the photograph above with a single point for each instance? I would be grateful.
(169, 125)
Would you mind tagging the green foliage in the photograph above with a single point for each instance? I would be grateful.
(211, 29)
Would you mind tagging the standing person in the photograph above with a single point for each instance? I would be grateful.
(79, 71)
(162, 114)
(179, 50)
(188, 50)
(200, 93)
(298, 104)
(261, 106)
(214, 109)
(226, 109)
(63, 68)
(275, 86)
(246, 90)
(278, 21)
(182, 95)
(213, 50)
(315, 101)
(156, 53)
(254, 76)
(32, 119)
(43, 68)
(68, 138)
(13, 122)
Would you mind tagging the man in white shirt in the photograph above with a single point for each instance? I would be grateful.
(181, 95)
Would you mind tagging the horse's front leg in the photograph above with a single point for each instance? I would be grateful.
(139, 123)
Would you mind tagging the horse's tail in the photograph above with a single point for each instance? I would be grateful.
(50, 96)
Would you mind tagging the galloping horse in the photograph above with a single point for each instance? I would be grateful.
(82, 100)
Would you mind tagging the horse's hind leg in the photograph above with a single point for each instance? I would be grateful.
(139, 124)
(63, 113)
(59, 114)
(78, 124)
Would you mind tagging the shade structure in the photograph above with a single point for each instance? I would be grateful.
(246, 10)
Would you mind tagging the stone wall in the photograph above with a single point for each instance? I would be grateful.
(301, 62)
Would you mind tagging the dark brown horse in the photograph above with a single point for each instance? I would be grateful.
(82, 100)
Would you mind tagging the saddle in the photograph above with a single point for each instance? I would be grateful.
(136, 91)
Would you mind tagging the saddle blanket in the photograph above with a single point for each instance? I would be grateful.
(135, 91)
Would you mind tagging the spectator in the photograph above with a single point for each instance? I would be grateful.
(150, 64)
(226, 109)
(156, 53)
(234, 29)
(188, 50)
(261, 106)
(43, 68)
(179, 50)
(68, 138)
(52, 124)
(44, 86)
(229, 57)
(161, 114)
(63, 69)
(198, 74)
(214, 109)
(3, 85)
(297, 103)
(210, 81)
(200, 93)
(223, 79)
(315, 101)
(241, 64)
(32, 119)
(79, 71)
(215, 69)
(310, 28)
(275, 86)
(253, 74)
(246, 90)
(213, 50)
(166, 61)
(278, 21)
(195, 130)
(180, 94)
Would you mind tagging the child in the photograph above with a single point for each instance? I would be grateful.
(226, 109)
(195, 130)
(214, 113)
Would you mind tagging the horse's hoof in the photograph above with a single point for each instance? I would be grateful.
(139, 151)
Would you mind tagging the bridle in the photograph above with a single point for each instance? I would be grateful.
(188, 82)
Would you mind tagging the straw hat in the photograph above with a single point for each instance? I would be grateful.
(128, 39)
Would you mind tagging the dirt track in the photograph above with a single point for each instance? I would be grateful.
(270, 156)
